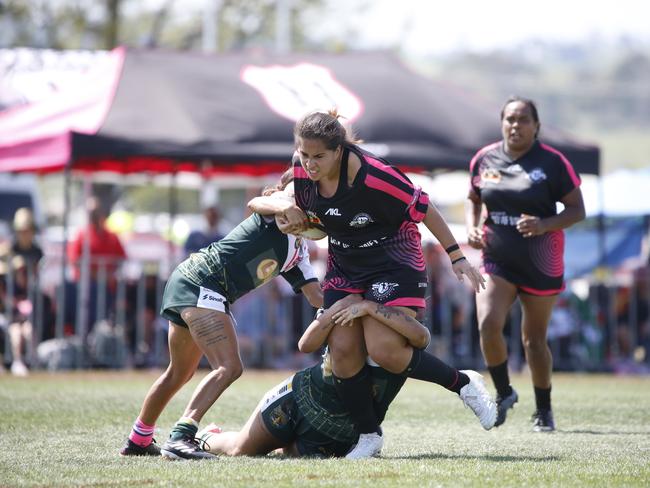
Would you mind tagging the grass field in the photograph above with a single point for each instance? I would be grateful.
(66, 430)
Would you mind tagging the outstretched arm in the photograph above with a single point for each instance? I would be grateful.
(415, 333)
(439, 228)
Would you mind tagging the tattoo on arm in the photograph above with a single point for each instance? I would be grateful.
(387, 312)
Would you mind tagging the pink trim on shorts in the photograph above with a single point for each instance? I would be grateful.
(406, 302)
(541, 293)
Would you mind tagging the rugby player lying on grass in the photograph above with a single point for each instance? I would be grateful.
(303, 415)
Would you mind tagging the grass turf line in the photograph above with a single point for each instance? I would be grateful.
(67, 429)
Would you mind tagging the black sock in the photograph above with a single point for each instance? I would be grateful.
(501, 379)
(356, 394)
(543, 398)
(426, 367)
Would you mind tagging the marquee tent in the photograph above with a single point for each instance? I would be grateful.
(162, 111)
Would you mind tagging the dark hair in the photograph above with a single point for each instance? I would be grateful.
(285, 179)
(324, 127)
(526, 101)
(529, 103)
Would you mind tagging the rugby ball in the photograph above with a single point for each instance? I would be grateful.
(313, 233)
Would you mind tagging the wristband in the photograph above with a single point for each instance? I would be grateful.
(458, 259)
(452, 248)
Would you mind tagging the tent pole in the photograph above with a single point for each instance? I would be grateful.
(602, 245)
(173, 210)
(61, 308)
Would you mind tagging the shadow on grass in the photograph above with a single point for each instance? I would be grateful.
(493, 458)
(598, 432)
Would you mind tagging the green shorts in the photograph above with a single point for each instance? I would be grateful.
(282, 418)
(181, 293)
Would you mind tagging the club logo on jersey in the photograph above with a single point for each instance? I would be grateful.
(491, 175)
(313, 218)
(333, 211)
(361, 220)
(537, 175)
(266, 268)
(383, 290)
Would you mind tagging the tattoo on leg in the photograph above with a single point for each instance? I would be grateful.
(209, 329)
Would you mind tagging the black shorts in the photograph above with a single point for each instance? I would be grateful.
(535, 265)
(400, 289)
(181, 293)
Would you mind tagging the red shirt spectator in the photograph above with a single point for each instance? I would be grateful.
(105, 248)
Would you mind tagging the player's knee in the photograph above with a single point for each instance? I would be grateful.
(490, 326)
(230, 371)
(390, 359)
(534, 344)
(344, 350)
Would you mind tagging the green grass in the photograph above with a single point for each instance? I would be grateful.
(66, 430)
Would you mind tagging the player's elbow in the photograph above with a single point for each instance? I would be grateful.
(305, 345)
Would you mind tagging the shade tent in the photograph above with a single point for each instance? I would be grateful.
(167, 111)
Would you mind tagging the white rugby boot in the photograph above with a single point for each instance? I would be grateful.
(475, 396)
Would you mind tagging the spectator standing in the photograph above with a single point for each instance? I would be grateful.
(105, 254)
(21, 258)
(199, 239)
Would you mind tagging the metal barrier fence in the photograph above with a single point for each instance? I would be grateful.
(112, 319)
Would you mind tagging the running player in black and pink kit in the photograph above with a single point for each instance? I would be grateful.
(518, 181)
(370, 212)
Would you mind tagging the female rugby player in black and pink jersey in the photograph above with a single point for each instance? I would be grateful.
(515, 184)
(370, 210)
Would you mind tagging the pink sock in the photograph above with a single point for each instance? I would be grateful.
(141, 433)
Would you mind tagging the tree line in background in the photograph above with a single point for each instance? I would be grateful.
(597, 90)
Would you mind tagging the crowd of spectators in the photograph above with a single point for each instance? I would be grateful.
(608, 329)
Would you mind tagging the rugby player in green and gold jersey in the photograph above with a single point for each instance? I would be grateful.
(303, 415)
(196, 302)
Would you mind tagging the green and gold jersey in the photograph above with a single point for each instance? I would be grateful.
(252, 254)
(321, 406)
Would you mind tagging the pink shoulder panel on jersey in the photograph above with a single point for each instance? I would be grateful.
(567, 164)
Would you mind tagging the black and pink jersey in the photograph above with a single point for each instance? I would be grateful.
(532, 185)
(371, 227)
